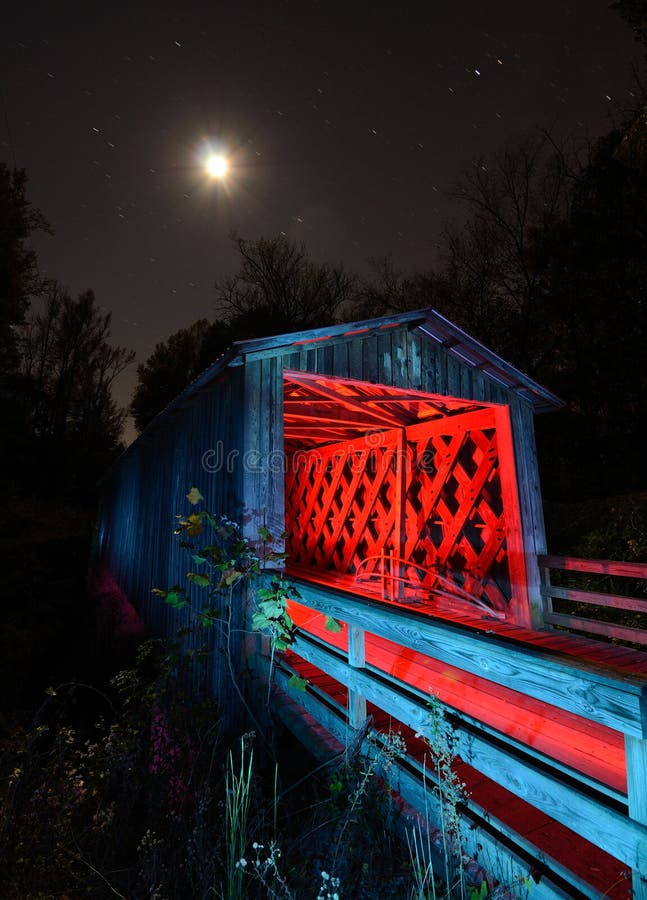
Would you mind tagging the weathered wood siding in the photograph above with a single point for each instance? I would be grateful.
(197, 445)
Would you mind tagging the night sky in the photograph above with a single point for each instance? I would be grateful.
(346, 124)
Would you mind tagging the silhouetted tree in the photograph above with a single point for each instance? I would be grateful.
(20, 282)
(280, 288)
(70, 367)
(489, 274)
(634, 12)
(494, 264)
(173, 365)
(19, 277)
(595, 320)
(277, 288)
(389, 289)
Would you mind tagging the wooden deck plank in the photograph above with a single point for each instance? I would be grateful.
(586, 746)
(600, 869)
(595, 651)
(602, 694)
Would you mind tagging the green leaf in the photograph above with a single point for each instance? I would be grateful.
(332, 625)
(214, 554)
(194, 496)
(175, 599)
(197, 559)
(264, 534)
(299, 684)
(193, 524)
(212, 520)
(273, 609)
(158, 592)
(200, 580)
(259, 621)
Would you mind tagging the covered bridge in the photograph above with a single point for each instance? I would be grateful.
(398, 456)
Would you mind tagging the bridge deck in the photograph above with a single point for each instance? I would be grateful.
(606, 875)
(617, 657)
(595, 750)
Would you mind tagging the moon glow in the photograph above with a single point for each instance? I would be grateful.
(217, 166)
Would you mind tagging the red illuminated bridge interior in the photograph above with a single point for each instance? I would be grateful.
(402, 495)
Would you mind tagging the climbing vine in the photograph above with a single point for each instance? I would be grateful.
(221, 559)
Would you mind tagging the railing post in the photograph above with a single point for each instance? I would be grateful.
(636, 755)
(357, 659)
(546, 598)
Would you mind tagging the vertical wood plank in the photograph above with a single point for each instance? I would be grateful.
(324, 360)
(357, 659)
(276, 460)
(369, 360)
(384, 359)
(520, 603)
(478, 387)
(530, 502)
(252, 487)
(440, 370)
(356, 358)
(547, 600)
(414, 356)
(428, 367)
(466, 383)
(399, 526)
(340, 359)
(454, 373)
(400, 363)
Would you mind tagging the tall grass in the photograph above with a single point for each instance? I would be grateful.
(237, 800)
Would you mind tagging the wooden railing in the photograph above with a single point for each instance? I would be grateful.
(611, 819)
(594, 612)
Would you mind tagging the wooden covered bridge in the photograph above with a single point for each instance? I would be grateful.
(398, 455)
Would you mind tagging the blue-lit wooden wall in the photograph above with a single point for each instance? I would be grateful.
(147, 489)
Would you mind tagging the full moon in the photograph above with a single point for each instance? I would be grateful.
(217, 166)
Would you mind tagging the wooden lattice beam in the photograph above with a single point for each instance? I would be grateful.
(421, 505)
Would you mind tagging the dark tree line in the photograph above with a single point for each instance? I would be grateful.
(61, 425)
(19, 278)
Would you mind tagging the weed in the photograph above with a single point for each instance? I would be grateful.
(237, 788)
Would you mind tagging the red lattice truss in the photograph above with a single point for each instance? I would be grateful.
(412, 513)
